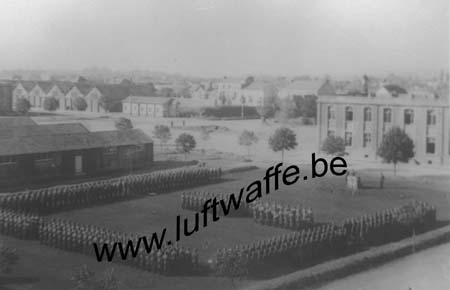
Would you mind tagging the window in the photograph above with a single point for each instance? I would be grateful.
(348, 138)
(348, 114)
(367, 115)
(431, 117)
(431, 141)
(367, 139)
(331, 114)
(409, 116)
(387, 115)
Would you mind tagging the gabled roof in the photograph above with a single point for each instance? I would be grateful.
(31, 144)
(28, 85)
(64, 87)
(45, 86)
(147, 100)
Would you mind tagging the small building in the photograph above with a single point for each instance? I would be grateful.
(154, 107)
(30, 153)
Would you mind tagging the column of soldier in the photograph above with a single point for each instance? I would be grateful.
(57, 198)
(289, 216)
(19, 225)
(389, 225)
(299, 247)
(195, 200)
(75, 237)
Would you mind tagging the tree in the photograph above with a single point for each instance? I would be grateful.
(309, 107)
(287, 110)
(205, 135)
(271, 103)
(283, 139)
(248, 138)
(333, 145)
(50, 104)
(22, 106)
(162, 132)
(395, 147)
(248, 81)
(85, 279)
(123, 124)
(79, 104)
(185, 143)
(8, 258)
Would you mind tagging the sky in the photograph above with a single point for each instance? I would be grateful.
(227, 37)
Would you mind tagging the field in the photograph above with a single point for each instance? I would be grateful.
(328, 197)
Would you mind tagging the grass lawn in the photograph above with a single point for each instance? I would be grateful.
(327, 196)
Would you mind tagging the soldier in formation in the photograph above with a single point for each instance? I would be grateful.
(75, 237)
(57, 198)
(18, 225)
(289, 216)
(299, 247)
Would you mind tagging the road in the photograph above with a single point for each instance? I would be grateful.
(426, 270)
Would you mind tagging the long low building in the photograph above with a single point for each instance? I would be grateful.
(34, 152)
(154, 107)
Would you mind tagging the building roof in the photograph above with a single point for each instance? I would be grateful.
(45, 86)
(395, 89)
(47, 129)
(147, 100)
(8, 122)
(31, 144)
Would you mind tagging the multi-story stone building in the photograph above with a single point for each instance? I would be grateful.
(362, 121)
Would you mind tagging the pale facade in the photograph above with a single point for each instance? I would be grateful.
(153, 107)
(362, 121)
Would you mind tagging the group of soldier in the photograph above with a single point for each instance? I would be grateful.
(57, 198)
(297, 247)
(388, 225)
(289, 216)
(19, 225)
(196, 200)
(75, 237)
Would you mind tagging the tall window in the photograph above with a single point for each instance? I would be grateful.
(348, 114)
(367, 139)
(331, 114)
(431, 117)
(431, 144)
(367, 115)
(409, 116)
(387, 115)
(348, 138)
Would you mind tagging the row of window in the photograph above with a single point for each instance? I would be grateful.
(408, 115)
(367, 140)
(13, 159)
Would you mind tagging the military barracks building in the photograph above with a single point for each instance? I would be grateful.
(362, 120)
(150, 107)
(65, 92)
(31, 152)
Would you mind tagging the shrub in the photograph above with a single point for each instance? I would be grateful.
(123, 124)
(333, 145)
(50, 104)
(22, 106)
(79, 104)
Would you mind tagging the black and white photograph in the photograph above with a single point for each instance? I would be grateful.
(224, 145)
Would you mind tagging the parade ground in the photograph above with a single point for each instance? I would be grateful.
(330, 200)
